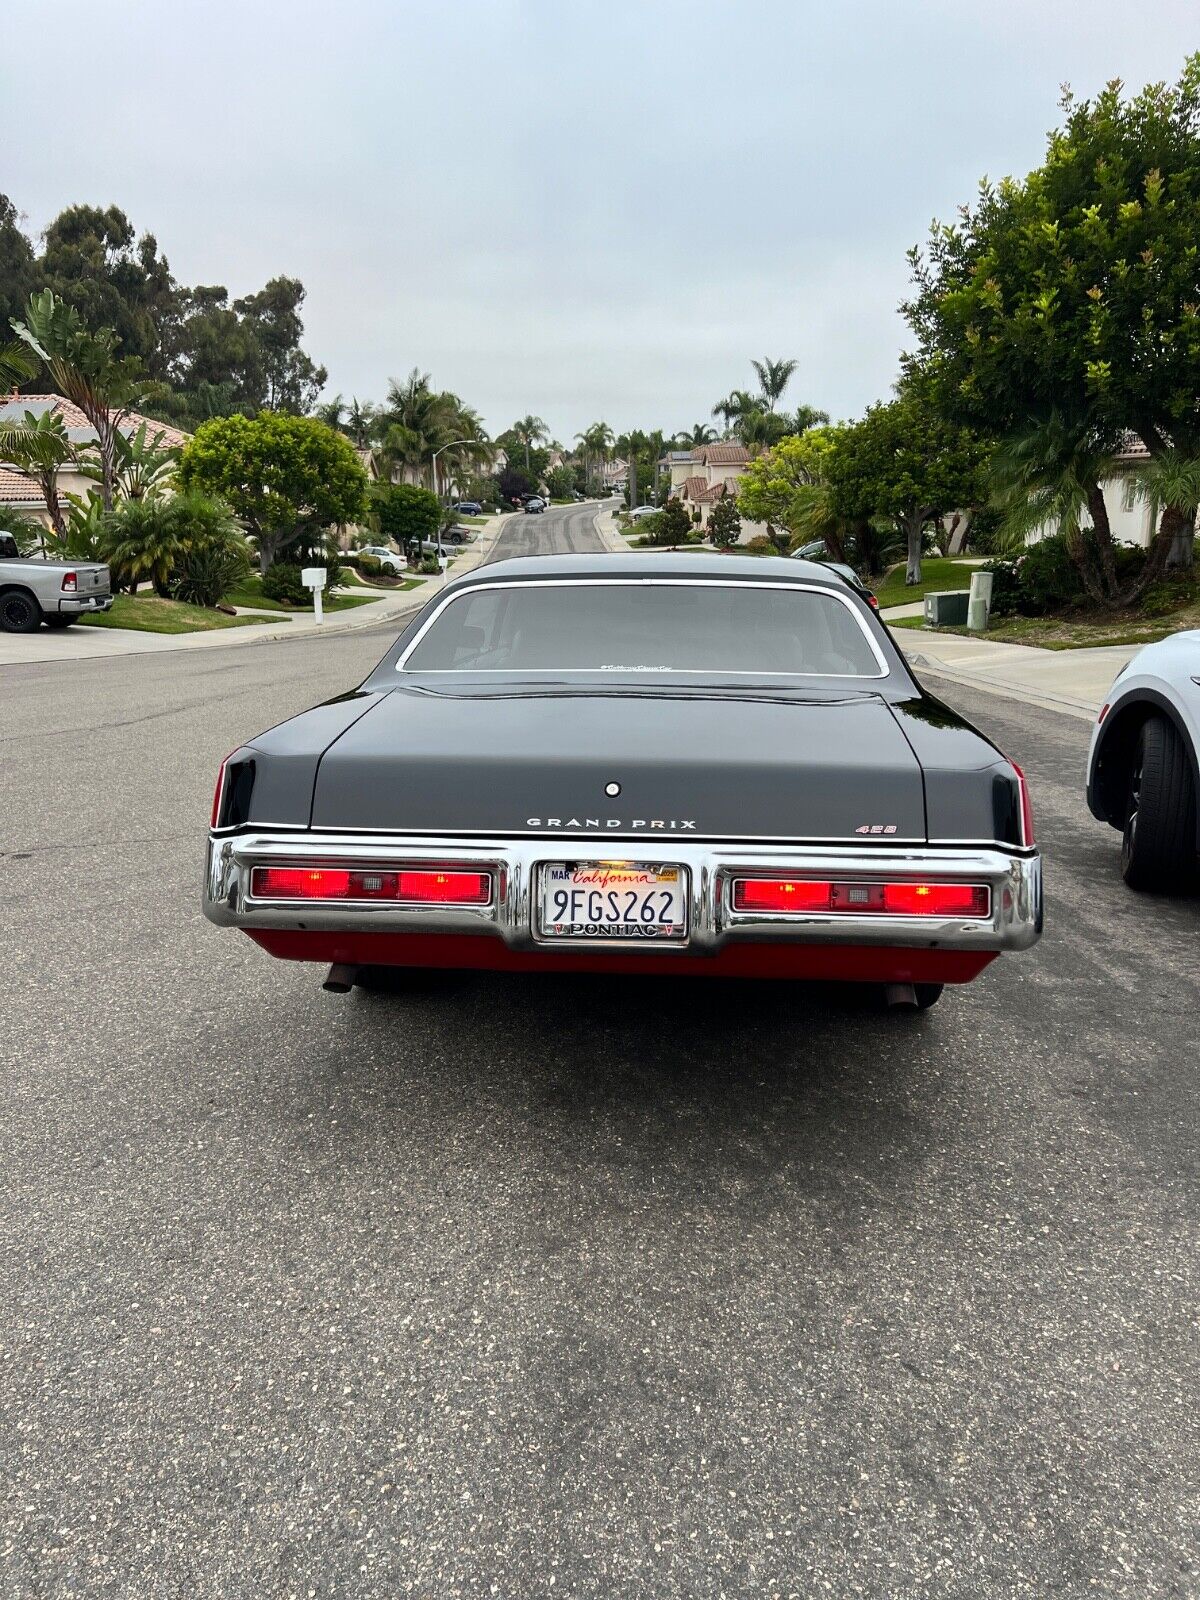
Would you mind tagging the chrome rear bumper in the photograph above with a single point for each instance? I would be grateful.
(1014, 877)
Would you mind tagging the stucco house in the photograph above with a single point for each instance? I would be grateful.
(701, 477)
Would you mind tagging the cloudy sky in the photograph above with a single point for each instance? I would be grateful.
(585, 210)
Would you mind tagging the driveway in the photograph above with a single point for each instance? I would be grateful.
(584, 1287)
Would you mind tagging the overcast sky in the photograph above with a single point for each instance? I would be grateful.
(581, 210)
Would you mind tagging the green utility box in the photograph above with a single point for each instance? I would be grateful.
(947, 610)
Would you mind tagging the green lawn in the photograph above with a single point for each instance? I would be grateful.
(250, 593)
(146, 613)
(1074, 633)
(938, 573)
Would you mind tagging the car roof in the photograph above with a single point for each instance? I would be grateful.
(652, 564)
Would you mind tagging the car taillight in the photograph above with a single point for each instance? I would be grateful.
(896, 899)
(1026, 806)
(70, 582)
(218, 794)
(407, 886)
(873, 602)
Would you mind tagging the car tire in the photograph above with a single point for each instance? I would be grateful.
(454, 538)
(53, 620)
(1158, 844)
(19, 612)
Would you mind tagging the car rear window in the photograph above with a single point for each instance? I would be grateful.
(643, 626)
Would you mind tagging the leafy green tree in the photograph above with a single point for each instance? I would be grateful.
(786, 487)
(724, 523)
(282, 476)
(1074, 292)
(85, 367)
(905, 462)
(272, 317)
(405, 512)
(514, 483)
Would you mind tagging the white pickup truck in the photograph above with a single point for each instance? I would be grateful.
(33, 591)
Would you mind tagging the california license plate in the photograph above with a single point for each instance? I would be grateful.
(623, 901)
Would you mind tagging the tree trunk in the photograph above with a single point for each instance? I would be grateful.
(1172, 527)
(960, 532)
(914, 527)
(49, 485)
(1182, 553)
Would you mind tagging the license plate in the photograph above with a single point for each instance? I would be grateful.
(628, 901)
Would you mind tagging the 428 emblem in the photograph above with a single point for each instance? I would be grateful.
(876, 827)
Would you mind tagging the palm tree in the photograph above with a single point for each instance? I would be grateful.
(40, 447)
(700, 434)
(332, 412)
(736, 404)
(597, 441)
(530, 431)
(806, 417)
(84, 367)
(427, 433)
(773, 378)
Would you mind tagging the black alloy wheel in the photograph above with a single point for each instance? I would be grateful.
(19, 612)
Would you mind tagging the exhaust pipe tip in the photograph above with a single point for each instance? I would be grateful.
(340, 978)
(898, 996)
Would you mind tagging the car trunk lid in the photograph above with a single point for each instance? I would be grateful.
(750, 765)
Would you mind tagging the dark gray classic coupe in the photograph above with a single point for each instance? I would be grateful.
(678, 763)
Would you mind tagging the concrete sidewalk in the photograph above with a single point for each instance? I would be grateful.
(1075, 682)
(84, 643)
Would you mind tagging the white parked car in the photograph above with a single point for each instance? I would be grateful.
(1144, 764)
(388, 559)
(639, 512)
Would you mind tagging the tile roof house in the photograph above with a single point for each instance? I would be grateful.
(19, 492)
(701, 477)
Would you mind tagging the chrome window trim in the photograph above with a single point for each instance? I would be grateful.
(448, 599)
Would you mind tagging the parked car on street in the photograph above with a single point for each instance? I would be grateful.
(388, 559)
(842, 568)
(1143, 773)
(632, 764)
(639, 512)
(33, 590)
(457, 534)
(535, 505)
(467, 508)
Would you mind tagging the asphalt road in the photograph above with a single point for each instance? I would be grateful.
(583, 1287)
(562, 530)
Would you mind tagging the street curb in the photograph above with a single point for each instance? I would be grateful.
(1005, 691)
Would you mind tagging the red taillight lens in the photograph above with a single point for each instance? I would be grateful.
(780, 894)
(897, 899)
(338, 883)
(936, 899)
(444, 888)
(872, 602)
(70, 582)
(1026, 807)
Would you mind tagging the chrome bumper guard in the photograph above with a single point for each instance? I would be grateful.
(1014, 877)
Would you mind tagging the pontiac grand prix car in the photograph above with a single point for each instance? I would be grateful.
(642, 763)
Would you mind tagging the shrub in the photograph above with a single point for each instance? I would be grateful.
(205, 573)
(760, 545)
(369, 566)
(1006, 587)
(671, 525)
(1048, 578)
(281, 581)
(725, 525)
(429, 564)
